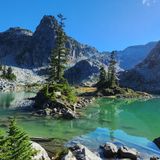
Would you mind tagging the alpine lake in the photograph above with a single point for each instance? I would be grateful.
(134, 121)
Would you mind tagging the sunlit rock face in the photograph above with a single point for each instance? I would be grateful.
(145, 76)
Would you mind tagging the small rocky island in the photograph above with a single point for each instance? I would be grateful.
(59, 99)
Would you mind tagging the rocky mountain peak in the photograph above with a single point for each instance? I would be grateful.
(47, 24)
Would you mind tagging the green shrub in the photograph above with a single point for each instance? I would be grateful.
(67, 92)
(8, 74)
(11, 77)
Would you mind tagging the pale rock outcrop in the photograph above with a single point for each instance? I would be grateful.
(41, 153)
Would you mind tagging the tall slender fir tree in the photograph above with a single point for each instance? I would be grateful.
(59, 53)
(112, 77)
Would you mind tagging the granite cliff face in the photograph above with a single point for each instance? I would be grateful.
(146, 75)
(22, 48)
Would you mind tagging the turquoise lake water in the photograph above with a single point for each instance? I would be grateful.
(115, 117)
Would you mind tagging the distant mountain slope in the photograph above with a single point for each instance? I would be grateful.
(146, 75)
(133, 55)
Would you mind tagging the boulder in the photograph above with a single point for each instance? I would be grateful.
(83, 153)
(48, 111)
(157, 142)
(125, 152)
(41, 153)
(68, 114)
(110, 150)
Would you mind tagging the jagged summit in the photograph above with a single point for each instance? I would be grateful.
(47, 24)
(49, 21)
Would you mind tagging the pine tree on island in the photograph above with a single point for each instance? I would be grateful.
(59, 54)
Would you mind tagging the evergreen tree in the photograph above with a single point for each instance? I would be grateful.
(103, 75)
(4, 71)
(112, 78)
(59, 53)
(18, 143)
(4, 151)
(9, 71)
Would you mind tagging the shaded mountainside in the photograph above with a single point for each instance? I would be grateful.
(22, 48)
(133, 55)
(146, 75)
(82, 72)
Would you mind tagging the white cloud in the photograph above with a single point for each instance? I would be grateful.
(148, 2)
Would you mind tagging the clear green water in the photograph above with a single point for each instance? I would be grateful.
(135, 117)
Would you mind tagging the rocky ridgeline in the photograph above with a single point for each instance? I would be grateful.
(23, 48)
(59, 109)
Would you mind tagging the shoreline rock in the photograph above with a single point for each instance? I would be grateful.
(59, 109)
(41, 152)
(56, 150)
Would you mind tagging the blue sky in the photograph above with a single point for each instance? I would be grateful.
(104, 24)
